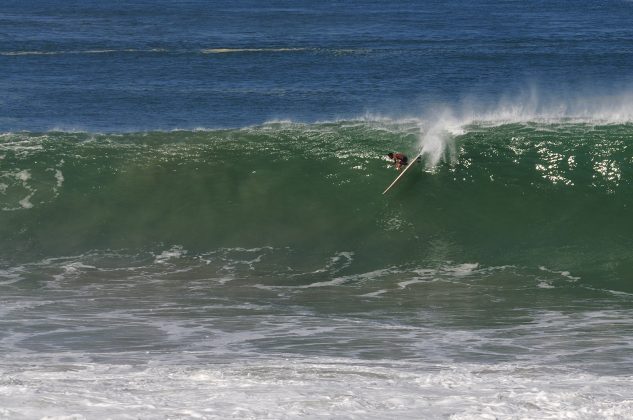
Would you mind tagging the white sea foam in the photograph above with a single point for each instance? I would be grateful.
(25, 203)
(345, 279)
(287, 388)
(334, 282)
(228, 349)
(22, 177)
(565, 274)
(461, 270)
(407, 283)
(174, 252)
(59, 177)
(377, 293)
(72, 269)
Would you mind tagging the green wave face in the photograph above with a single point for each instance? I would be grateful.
(518, 194)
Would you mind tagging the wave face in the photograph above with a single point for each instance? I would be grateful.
(555, 194)
(265, 263)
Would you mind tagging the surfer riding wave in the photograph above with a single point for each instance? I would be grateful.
(400, 160)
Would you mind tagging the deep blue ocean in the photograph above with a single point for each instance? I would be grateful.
(134, 65)
(192, 222)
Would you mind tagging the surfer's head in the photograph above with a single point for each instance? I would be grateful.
(390, 154)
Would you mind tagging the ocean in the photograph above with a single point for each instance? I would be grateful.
(192, 222)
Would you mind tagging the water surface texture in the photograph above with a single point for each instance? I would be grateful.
(192, 224)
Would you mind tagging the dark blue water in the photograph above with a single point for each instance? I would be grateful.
(132, 65)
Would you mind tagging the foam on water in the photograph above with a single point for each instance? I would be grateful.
(128, 335)
(291, 388)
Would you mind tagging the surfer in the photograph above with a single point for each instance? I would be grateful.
(400, 160)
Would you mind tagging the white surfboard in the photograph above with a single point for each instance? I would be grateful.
(404, 171)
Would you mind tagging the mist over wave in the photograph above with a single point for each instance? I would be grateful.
(533, 105)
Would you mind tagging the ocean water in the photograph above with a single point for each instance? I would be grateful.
(192, 222)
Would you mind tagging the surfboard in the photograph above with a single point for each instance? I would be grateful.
(404, 171)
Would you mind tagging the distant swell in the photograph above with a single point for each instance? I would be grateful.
(80, 52)
(221, 50)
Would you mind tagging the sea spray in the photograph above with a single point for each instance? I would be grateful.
(440, 126)
(437, 141)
